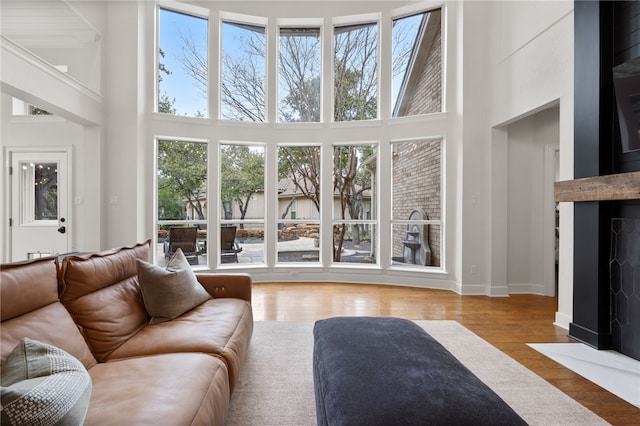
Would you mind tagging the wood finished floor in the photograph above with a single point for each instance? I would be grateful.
(507, 323)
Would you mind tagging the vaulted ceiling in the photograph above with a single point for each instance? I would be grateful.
(37, 24)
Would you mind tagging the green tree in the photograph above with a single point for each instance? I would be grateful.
(170, 205)
(182, 169)
(241, 174)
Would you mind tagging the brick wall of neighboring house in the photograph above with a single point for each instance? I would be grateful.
(416, 164)
(417, 185)
(426, 96)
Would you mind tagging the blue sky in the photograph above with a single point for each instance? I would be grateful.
(189, 98)
(179, 85)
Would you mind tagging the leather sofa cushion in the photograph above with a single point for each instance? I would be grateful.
(220, 327)
(16, 297)
(30, 308)
(176, 389)
(102, 293)
(51, 324)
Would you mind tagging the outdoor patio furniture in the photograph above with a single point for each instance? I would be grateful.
(229, 247)
(185, 238)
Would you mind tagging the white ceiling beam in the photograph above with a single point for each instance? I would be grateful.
(33, 80)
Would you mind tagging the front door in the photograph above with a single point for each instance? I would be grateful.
(39, 224)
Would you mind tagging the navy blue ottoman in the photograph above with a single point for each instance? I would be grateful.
(389, 371)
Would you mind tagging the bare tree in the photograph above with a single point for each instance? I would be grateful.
(302, 165)
(355, 98)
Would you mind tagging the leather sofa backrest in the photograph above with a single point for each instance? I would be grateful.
(102, 293)
(29, 307)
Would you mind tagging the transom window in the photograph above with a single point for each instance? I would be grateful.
(182, 58)
(299, 75)
(243, 72)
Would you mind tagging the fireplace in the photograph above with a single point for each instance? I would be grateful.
(624, 267)
(606, 189)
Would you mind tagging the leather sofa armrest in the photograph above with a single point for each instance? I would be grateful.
(236, 286)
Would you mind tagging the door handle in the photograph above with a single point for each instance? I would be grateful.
(62, 229)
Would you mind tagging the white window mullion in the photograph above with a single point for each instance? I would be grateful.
(383, 188)
(271, 193)
(271, 73)
(215, 78)
(384, 66)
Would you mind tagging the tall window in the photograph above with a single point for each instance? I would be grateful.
(182, 64)
(243, 72)
(299, 75)
(354, 199)
(299, 203)
(417, 64)
(242, 193)
(355, 72)
(182, 198)
(416, 203)
(323, 179)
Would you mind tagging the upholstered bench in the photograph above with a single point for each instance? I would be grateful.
(389, 371)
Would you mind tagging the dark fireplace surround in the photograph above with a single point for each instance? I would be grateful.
(606, 290)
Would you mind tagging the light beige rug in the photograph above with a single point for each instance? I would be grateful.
(275, 387)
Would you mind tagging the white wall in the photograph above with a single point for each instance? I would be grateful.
(531, 69)
(474, 196)
(76, 101)
(527, 141)
(506, 60)
(46, 133)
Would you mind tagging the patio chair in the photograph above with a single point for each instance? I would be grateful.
(185, 238)
(229, 247)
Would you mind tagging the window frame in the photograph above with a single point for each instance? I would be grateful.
(301, 24)
(189, 10)
(431, 222)
(355, 20)
(382, 130)
(249, 20)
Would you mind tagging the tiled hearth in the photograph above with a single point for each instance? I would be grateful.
(625, 286)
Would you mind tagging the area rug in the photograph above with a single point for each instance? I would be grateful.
(275, 387)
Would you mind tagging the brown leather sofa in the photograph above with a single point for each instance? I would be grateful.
(179, 372)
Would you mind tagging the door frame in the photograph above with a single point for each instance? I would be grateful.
(9, 153)
(551, 156)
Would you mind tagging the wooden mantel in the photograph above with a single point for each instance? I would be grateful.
(623, 186)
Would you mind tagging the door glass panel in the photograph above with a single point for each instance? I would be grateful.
(38, 192)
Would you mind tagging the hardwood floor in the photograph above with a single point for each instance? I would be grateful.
(507, 323)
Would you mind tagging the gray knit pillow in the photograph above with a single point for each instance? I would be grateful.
(168, 293)
(43, 385)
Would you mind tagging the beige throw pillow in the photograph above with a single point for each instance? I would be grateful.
(170, 292)
(43, 385)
